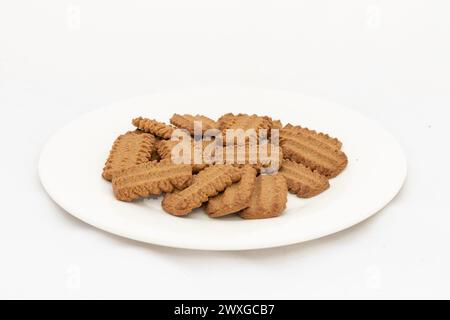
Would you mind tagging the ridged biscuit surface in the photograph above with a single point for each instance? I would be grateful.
(268, 199)
(208, 183)
(236, 197)
(154, 127)
(302, 181)
(129, 149)
(150, 178)
(188, 121)
(311, 150)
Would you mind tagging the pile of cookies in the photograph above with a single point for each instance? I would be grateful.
(140, 165)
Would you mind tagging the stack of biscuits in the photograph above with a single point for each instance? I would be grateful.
(140, 165)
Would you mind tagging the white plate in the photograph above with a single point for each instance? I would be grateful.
(72, 161)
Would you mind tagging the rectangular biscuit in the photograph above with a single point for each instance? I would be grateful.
(154, 127)
(302, 181)
(244, 122)
(320, 136)
(236, 197)
(208, 183)
(128, 150)
(313, 150)
(150, 178)
(188, 121)
(268, 199)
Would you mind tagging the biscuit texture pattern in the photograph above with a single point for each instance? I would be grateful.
(268, 199)
(236, 197)
(208, 183)
(323, 137)
(154, 127)
(264, 155)
(313, 150)
(244, 122)
(188, 121)
(129, 149)
(197, 157)
(152, 178)
(302, 181)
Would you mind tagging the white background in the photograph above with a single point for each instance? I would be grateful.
(388, 59)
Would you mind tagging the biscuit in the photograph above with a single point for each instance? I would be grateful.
(155, 155)
(310, 149)
(244, 122)
(276, 124)
(154, 127)
(151, 178)
(208, 183)
(322, 137)
(199, 162)
(224, 120)
(129, 149)
(187, 122)
(250, 154)
(268, 199)
(302, 181)
(235, 198)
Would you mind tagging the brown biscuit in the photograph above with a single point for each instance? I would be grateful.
(154, 127)
(164, 148)
(250, 154)
(309, 149)
(268, 199)
(235, 198)
(322, 137)
(151, 178)
(276, 124)
(208, 183)
(187, 122)
(129, 149)
(155, 155)
(244, 122)
(199, 159)
(302, 181)
(225, 119)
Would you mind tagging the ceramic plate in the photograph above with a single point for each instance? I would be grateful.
(72, 161)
